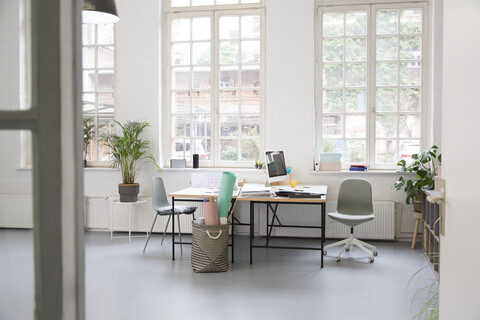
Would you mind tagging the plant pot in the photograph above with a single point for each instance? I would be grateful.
(128, 192)
(418, 203)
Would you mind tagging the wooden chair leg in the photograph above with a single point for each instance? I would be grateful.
(415, 233)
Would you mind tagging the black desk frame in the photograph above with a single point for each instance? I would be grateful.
(273, 205)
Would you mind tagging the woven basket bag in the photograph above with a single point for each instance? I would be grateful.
(210, 248)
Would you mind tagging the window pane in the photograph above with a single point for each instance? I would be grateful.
(407, 148)
(201, 78)
(333, 24)
(410, 47)
(202, 2)
(229, 27)
(251, 51)
(181, 54)
(355, 100)
(228, 101)
(203, 148)
(332, 101)
(88, 34)
(180, 3)
(180, 29)
(410, 99)
(410, 74)
(202, 101)
(356, 23)
(105, 33)
(229, 125)
(226, 1)
(229, 150)
(251, 76)
(385, 151)
(105, 57)
(355, 49)
(181, 126)
(249, 1)
(411, 21)
(387, 22)
(386, 48)
(181, 102)
(106, 102)
(356, 74)
(333, 50)
(386, 99)
(89, 80)
(355, 126)
(333, 75)
(104, 126)
(386, 74)
(386, 126)
(410, 126)
(355, 151)
(250, 26)
(228, 52)
(201, 128)
(180, 78)
(106, 80)
(201, 53)
(88, 103)
(250, 149)
(332, 126)
(251, 126)
(250, 102)
(88, 57)
(179, 149)
(332, 145)
(201, 29)
(228, 77)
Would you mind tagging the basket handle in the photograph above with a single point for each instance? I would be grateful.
(214, 238)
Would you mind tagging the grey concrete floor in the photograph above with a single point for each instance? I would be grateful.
(122, 282)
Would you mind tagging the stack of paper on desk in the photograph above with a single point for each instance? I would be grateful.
(256, 189)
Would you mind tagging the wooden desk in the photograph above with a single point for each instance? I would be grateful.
(272, 202)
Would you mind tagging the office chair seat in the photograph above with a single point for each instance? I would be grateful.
(351, 220)
(353, 208)
(164, 208)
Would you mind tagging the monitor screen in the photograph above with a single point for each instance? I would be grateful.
(276, 167)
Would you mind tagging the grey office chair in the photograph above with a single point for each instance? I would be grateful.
(164, 208)
(354, 207)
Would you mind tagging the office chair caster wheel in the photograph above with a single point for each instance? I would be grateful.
(371, 260)
(375, 253)
(324, 252)
(338, 259)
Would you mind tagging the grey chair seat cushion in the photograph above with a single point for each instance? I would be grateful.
(350, 219)
(178, 210)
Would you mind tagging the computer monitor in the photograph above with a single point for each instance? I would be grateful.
(276, 168)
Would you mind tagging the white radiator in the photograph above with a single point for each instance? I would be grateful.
(383, 227)
(16, 211)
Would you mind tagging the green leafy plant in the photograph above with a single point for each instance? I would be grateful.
(129, 152)
(425, 165)
(88, 134)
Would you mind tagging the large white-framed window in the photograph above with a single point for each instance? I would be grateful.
(215, 83)
(98, 91)
(371, 93)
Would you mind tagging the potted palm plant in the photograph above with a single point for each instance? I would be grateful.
(129, 152)
(88, 134)
(424, 165)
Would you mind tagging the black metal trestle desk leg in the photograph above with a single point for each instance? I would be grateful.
(323, 232)
(274, 211)
(173, 228)
(251, 228)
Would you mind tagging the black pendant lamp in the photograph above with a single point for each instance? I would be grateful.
(99, 11)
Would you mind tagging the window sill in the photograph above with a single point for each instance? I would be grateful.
(214, 169)
(374, 172)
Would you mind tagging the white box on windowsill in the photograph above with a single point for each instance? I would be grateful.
(330, 166)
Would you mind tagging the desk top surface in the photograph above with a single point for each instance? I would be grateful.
(191, 193)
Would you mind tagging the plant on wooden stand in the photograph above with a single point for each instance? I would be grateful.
(88, 134)
(129, 153)
(425, 165)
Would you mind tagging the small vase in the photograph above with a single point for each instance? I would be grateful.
(128, 192)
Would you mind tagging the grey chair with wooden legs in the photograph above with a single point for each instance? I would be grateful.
(164, 208)
(354, 207)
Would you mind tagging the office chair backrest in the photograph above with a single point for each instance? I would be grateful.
(159, 196)
(355, 197)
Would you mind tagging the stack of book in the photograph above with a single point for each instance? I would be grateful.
(330, 162)
(358, 167)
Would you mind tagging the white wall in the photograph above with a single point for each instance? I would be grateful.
(289, 108)
(459, 258)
